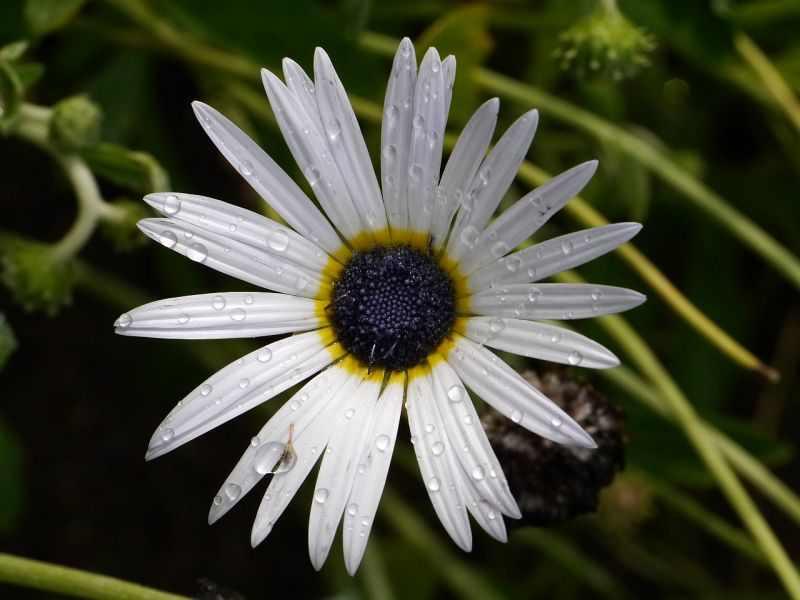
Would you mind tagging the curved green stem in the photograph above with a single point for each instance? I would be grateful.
(73, 582)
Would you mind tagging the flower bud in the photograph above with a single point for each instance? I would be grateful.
(75, 124)
(36, 279)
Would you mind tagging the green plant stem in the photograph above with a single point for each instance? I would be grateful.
(685, 415)
(73, 582)
(770, 76)
(376, 580)
(745, 463)
(463, 580)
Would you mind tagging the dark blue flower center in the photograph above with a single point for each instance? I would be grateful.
(392, 306)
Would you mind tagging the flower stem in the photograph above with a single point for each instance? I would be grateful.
(73, 582)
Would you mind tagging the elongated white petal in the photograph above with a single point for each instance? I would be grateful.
(261, 267)
(220, 316)
(267, 178)
(427, 135)
(350, 428)
(242, 225)
(436, 466)
(287, 427)
(449, 70)
(490, 184)
(308, 146)
(539, 340)
(507, 392)
(553, 256)
(346, 143)
(398, 110)
(308, 447)
(488, 516)
(371, 470)
(298, 81)
(469, 151)
(242, 385)
(526, 216)
(469, 443)
(554, 301)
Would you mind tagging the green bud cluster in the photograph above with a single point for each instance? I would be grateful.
(604, 44)
(38, 280)
(75, 124)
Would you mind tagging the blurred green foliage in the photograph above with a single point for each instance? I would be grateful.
(698, 101)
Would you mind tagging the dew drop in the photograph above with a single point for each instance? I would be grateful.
(168, 238)
(246, 168)
(248, 299)
(244, 383)
(264, 355)
(238, 314)
(419, 122)
(267, 457)
(254, 441)
(172, 204)
(321, 495)
(456, 393)
(352, 509)
(382, 442)
(433, 484)
(575, 358)
(392, 113)
(499, 249)
(566, 247)
(390, 153)
(478, 473)
(123, 321)
(167, 434)
(534, 294)
(217, 500)
(348, 414)
(334, 129)
(218, 303)
(556, 422)
(232, 491)
(197, 252)
(278, 241)
(497, 325)
(313, 175)
(415, 173)
(429, 428)
(437, 448)
(469, 236)
(183, 319)
(205, 389)
(516, 416)
(596, 294)
(513, 263)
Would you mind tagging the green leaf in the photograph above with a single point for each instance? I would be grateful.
(11, 491)
(463, 33)
(8, 343)
(136, 171)
(14, 50)
(45, 16)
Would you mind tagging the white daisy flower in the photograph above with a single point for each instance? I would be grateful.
(392, 291)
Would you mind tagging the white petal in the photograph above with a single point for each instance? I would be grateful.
(526, 216)
(492, 181)
(346, 143)
(554, 301)
(298, 81)
(469, 443)
(398, 110)
(371, 470)
(309, 148)
(220, 316)
(242, 385)
(299, 415)
(539, 340)
(267, 178)
(469, 151)
(427, 135)
(350, 427)
(262, 267)
(437, 467)
(488, 516)
(242, 225)
(308, 447)
(507, 392)
(553, 256)
(449, 70)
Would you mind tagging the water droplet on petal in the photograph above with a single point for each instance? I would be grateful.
(382, 442)
(352, 509)
(321, 495)
(217, 500)
(456, 393)
(218, 303)
(267, 457)
(478, 473)
(205, 389)
(238, 314)
(437, 448)
(246, 168)
(167, 434)
(433, 484)
(244, 383)
(516, 416)
(566, 247)
(469, 236)
(172, 204)
(168, 238)
(348, 414)
(534, 294)
(123, 321)
(197, 252)
(575, 358)
(390, 153)
(264, 355)
(232, 491)
(279, 240)
(497, 325)
(254, 441)
(334, 129)
(415, 173)
(499, 249)
(556, 422)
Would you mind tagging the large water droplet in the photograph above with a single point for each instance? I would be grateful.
(205, 389)
(168, 238)
(382, 442)
(278, 241)
(232, 491)
(434, 485)
(499, 249)
(264, 355)
(268, 456)
(469, 236)
(497, 325)
(197, 252)
(243, 383)
(167, 434)
(575, 358)
(556, 422)
(437, 448)
(534, 294)
(123, 321)
(513, 263)
(390, 153)
(456, 393)
(566, 247)
(334, 129)
(352, 509)
(183, 319)
(415, 173)
(419, 122)
(246, 168)
(478, 473)
(321, 495)
(238, 314)
(218, 303)
(313, 175)
(172, 204)
(516, 416)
